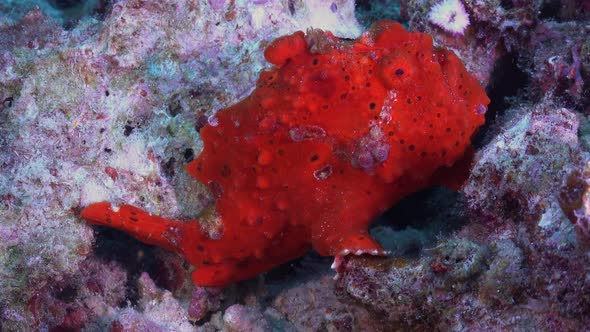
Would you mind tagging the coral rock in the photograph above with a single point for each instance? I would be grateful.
(241, 318)
(521, 169)
(574, 199)
(301, 303)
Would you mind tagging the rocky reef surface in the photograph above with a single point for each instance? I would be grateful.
(104, 100)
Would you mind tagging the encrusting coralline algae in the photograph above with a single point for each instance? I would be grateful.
(110, 108)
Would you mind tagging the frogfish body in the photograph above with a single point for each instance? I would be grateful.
(334, 134)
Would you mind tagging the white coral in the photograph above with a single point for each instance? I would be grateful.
(450, 15)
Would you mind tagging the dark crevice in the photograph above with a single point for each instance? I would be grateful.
(189, 155)
(506, 4)
(550, 10)
(301, 269)
(65, 4)
(67, 294)
(423, 209)
(506, 80)
(363, 5)
(369, 11)
(419, 221)
(72, 11)
(134, 256)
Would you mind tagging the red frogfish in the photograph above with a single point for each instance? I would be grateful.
(335, 133)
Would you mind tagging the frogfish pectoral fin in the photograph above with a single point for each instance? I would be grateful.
(140, 224)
